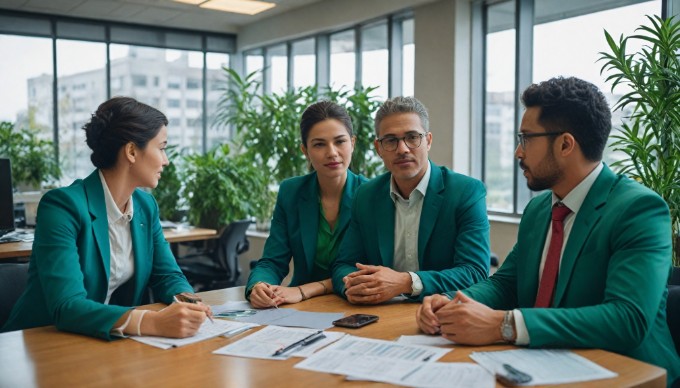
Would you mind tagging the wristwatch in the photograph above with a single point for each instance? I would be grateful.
(416, 284)
(508, 327)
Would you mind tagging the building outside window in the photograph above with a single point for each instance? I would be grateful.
(567, 40)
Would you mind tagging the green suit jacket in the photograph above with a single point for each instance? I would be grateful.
(295, 227)
(453, 237)
(68, 275)
(611, 289)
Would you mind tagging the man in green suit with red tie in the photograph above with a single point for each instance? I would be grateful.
(593, 252)
(419, 229)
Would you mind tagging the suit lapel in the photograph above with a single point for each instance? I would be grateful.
(586, 219)
(139, 232)
(308, 214)
(431, 205)
(346, 203)
(100, 225)
(384, 213)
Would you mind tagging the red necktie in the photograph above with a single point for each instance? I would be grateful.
(546, 289)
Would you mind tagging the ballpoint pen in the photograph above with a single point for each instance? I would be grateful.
(303, 342)
(193, 301)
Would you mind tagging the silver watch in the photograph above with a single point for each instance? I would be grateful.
(508, 327)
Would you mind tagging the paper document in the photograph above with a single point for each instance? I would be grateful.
(394, 363)
(544, 366)
(292, 318)
(231, 306)
(264, 343)
(429, 340)
(207, 330)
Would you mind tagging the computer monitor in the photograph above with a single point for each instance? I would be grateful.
(6, 199)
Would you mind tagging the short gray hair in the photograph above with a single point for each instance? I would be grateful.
(402, 105)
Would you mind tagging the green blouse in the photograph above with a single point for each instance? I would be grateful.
(327, 244)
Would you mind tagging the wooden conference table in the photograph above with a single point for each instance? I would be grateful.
(46, 357)
(23, 249)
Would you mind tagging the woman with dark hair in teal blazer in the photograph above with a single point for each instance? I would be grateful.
(99, 244)
(311, 214)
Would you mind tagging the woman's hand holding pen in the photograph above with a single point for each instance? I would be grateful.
(178, 320)
(265, 295)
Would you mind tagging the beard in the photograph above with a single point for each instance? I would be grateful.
(546, 175)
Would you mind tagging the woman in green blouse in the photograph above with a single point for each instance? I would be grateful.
(312, 213)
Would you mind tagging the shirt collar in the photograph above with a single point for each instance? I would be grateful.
(112, 211)
(578, 194)
(421, 188)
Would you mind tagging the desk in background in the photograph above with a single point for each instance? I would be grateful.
(47, 357)
(23, 249)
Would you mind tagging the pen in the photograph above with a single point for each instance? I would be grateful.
(193, 301)
(303, 342)
(514, 376)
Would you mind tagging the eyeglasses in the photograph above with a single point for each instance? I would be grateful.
(390, 143)
(522, 137)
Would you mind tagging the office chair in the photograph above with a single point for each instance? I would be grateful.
(13, 278)
(673, 307)
(218, 267)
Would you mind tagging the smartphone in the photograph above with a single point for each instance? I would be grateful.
(355, 321)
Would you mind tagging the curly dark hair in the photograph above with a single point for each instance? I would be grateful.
(117, 122)
(575, 106)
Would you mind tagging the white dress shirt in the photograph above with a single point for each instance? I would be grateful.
(122, 265)
(407, 225)
(573, 201)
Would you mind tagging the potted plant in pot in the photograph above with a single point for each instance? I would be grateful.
(650, 138)
(221, 187)
(33, 164)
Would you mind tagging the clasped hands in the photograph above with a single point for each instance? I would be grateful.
(461, 319)
(265, 295)
(373, 284)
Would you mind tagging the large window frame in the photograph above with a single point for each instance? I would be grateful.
(77, 29)
(394, 24)
(524, 24)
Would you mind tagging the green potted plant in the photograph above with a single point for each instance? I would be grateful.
(650, 136)
(220, 187)
(33, 161)
(169, 191)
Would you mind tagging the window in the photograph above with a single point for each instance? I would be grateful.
(567, 40)
(343, 60)
(375, 59)
(173, 103)
(408, 58)
(304, 63)
(138, 80)
(217, 133)
(84, 88)
(193, 83)
(277, 69)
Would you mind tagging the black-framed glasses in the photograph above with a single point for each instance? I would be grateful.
(522, 137)
(412, 140)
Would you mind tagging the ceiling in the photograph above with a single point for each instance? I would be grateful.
(162, 13)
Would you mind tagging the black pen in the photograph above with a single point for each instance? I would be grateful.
(303, 342)
(513, 377)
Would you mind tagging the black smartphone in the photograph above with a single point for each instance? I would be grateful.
(356, 320)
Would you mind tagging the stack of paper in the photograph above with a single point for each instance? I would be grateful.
(208, 330)
(544, 366)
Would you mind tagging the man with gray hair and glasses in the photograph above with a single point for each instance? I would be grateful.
(419, 229)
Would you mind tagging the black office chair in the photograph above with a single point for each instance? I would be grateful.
(218, 266)
(673, 307)
(13, 278)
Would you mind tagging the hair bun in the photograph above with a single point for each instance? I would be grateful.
(96, 128)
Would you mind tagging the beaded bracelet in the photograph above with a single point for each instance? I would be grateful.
(304, 297)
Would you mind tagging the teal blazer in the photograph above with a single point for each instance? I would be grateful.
(453, 237)
(295, 227)
(611, 290)
(68, 274)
